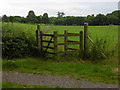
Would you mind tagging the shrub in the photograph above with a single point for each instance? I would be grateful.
(103, 46)
(17, 44)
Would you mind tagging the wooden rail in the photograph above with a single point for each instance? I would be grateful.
(54, 39)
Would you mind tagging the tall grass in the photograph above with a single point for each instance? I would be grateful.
(106, 39)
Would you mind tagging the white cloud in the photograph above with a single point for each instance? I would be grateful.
(70, 7)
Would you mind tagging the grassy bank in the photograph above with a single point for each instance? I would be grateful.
(102, 71)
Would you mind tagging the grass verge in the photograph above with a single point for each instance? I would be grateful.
(97, 71)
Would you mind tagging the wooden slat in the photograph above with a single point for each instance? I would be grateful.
(47, 41)
(49, 52)
(72, 49)
(61, 35)
(73, 34)
(48, 47)
(69, 51)
(48, 35)
(71, 41)
(68, 43)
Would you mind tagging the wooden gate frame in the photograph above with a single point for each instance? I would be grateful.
(83, 42)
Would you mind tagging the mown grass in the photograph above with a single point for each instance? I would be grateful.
(101, 71)
(18, 85)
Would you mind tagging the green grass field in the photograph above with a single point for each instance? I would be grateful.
(107, 33)
(98, 70)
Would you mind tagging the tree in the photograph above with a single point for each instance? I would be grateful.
(16, 18)
(11, 19)
(45, 18)
(100, 19)
(5, 18)
(111, 19)
(90, 19)
(23, 20)
(60, 14)
(59, 22)
(31, 17)
(114, 17)
(39, 19)
(52, 20)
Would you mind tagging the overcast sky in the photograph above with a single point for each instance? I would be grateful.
(69, 7)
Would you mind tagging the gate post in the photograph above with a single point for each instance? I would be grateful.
(55, 46)
(39, 38)
(41, 43)
(85, 40)
(38, 35)
(81, 44)
(65, 41)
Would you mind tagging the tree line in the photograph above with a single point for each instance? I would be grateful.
(100, 19)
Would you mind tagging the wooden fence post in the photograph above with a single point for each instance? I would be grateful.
(41, 43)
(55, 46)
(38, 35)
(85, 40)
(65, 41)
(81, 44)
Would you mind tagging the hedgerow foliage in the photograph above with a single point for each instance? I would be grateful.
(16, 44)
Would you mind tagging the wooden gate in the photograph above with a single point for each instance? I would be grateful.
(54, 40)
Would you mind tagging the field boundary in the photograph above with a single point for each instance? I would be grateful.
(83, 43)
(54, 39)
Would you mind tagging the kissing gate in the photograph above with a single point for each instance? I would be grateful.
(54, 40)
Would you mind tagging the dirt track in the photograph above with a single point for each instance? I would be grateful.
(52, 81)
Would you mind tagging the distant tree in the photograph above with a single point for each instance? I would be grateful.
(100, 19)
(114, 17)
(111, 19)
(45, 18)
(90, 19)
(11, 19)
(16, 18)
(72, 20)
(59, 22)
(5, 18)
(23, 20)
(39, 19)
(31, 17)
(69, 20)
(52, 20)
(60, 14)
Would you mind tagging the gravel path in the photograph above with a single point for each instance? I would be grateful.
(52, 81)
